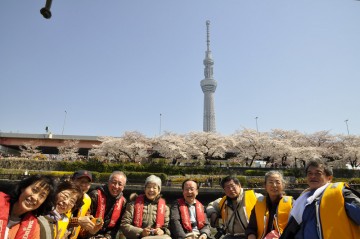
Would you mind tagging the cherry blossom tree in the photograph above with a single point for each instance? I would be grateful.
(206, 145)
(351, 150)
(250, 145)
(171, 146)
(130, 147)
(29, 150)
(70, 150)
(278, 147)
(285, 144)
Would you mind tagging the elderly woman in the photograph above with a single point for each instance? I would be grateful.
(148, 215)
(32, 197)
(270, 214)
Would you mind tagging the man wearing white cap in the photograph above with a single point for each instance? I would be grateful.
(79, 218)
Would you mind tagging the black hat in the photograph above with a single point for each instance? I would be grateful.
(82, 173)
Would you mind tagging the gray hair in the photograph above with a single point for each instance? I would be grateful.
(153, 179)
(321, 164)
(117, 173)
(275, 172)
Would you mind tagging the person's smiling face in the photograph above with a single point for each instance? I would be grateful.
(316, 177)
(190, 191)
(274, 186)
(152, 191)
(84, 183)
(32, 197)
(65, 200)
(116, 184)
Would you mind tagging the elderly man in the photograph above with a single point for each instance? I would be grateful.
(108, 204)
(234, 209)
(187, 216)
(325, 210)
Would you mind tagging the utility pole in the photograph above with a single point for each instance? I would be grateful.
(64, 123)
(257, 129)
(160, 126)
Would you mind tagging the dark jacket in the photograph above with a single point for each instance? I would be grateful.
(176, 227)
(110, 203)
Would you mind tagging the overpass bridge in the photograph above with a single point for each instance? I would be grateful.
(47, 143)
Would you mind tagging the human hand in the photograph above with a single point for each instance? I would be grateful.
(86, 223)
(158, 231)
(145, 232)
(97, 226)
(202, 236)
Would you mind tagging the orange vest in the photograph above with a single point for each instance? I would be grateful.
(334, 221)
(280, 219)
(27, 226)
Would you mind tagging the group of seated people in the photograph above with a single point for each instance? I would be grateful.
(41, 207)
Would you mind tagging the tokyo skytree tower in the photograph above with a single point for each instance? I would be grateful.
(208, 86)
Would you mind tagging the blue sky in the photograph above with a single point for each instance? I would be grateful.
(116, 65)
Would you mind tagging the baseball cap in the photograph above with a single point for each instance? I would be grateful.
(82, 173)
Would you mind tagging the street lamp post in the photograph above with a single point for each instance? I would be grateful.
(257, 129)
(347, 126)
(64, 123)
(160, 126)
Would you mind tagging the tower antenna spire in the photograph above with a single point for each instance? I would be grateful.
(208, 35)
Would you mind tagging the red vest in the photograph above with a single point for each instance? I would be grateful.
(138, 212)
(185, 216)
(100, 210)
(27, 224)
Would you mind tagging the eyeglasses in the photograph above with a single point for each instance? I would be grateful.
(230, 186)
(315, 174)
(66, 197)
(273, 182)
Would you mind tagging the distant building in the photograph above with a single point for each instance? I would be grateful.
(208, 86)
(348, 166)
(259, 164)
(47, 143)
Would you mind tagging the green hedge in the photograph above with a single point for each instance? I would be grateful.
(158, 166)
(134, 177)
